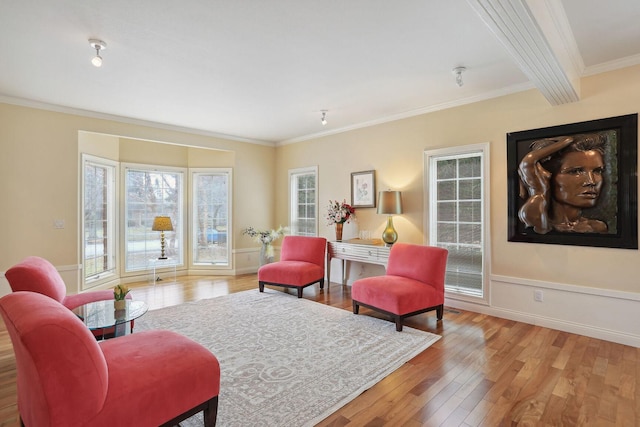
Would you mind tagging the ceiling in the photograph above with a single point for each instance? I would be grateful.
(262, 70)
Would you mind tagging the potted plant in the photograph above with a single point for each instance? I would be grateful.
(119, 294)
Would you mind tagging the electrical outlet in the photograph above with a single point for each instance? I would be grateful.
(58, 223)
(538, 295)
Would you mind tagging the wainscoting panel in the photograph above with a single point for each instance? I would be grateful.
(598, 313)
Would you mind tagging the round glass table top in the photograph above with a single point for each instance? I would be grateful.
(102, 314)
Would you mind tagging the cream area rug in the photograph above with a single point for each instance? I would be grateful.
(286, 361)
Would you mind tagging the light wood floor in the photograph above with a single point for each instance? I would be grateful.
(485, 371)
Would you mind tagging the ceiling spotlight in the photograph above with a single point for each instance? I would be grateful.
(458, 73)
(98, 45)
(323, 120)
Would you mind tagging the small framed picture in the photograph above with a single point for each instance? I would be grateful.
(363, 189)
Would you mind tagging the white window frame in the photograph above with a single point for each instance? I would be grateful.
(112, 221)
(293, 207)
(193, 218)
(430, 156)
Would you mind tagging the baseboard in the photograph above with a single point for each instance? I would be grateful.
(598, 313)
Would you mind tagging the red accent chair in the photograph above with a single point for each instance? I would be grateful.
(67, 378)
(36, 274)
(413, 284)
(301, 264)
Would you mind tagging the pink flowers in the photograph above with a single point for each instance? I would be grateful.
(339, 212)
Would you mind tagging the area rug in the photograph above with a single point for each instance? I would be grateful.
(287, 361)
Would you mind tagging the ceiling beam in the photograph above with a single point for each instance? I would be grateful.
(537, 38)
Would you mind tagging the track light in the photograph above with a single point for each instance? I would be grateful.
(98, 45)
(323, 120)
(458, 73)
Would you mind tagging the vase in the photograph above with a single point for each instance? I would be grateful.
(266, 254)
(339, 230)
(120, 304)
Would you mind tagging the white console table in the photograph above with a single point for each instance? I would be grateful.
(366, 251)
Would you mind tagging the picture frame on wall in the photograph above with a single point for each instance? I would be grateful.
(363, 189)
(575, 184)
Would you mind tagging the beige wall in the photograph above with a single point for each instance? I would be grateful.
(592, 291)
(39, 176)
(395, 151)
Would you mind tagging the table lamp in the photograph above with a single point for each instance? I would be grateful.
(389, 203)
(162, 224)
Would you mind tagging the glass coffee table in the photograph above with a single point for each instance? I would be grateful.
(103, 315)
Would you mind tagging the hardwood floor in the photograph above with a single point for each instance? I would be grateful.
(485, 371)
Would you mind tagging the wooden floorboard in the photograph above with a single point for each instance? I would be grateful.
(485, 371)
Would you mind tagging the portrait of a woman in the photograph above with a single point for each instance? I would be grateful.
(560, 177)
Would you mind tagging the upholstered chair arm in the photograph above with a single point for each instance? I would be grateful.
(76, 300)
(77, 367)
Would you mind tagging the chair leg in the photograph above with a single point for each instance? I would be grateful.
(398, 323)
(300, 292)
(439, 312)
(261, 286)
(210, 413)
(322, 283)
(356, 307)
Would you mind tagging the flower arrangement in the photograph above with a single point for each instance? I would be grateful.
(120, 292)
(340, 212)
(266, 238)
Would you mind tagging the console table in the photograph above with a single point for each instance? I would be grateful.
(366, 251)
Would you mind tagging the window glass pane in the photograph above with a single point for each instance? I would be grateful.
(456, 212)
(446, 232)
(447, 211)
(470, 189)
(303, 202)
(211, 218)
(151, 193)
(99, 208)
(470, 211)
(446, 169)
(470, 233)
(447, 190)
(469, 167)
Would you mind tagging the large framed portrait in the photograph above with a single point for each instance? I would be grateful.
(363, 189)
(575, 184)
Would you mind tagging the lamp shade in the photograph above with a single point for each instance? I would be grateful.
(390, 202)
(162, 223)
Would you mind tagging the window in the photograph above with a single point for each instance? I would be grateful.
(456, 215)
(98, 220)
(303, 201)
(211, 198)
(151, 192)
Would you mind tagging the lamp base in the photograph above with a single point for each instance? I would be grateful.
(389, 235)
(162, 257)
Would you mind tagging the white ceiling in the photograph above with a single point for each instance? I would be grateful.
(261, 70)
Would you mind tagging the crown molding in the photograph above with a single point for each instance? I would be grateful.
(23, 102)
(417, 112)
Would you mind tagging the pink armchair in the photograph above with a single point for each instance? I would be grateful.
(66, 378)
(413, 284)
(36, 274)
(301, 264)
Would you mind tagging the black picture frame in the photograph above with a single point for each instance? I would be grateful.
(363, 189)
(618, 199)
